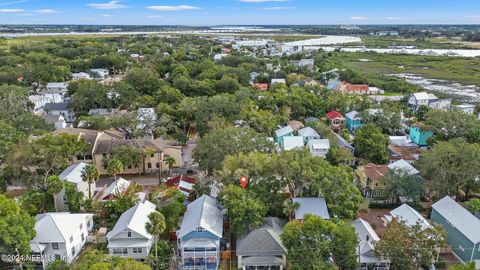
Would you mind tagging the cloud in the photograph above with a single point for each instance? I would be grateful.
(262, 1)
(278, 8)
(46, 11)
(358, 18)
(11, 10)
(109, 5)
(172, 8)
(13, 2)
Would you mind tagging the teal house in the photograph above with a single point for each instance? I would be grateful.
(283, 132)
(419, 136)
(462, 227)
(354, 121)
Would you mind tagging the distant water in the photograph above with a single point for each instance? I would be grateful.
(464, 93)
(427, 52)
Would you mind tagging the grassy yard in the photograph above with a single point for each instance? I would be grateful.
(429, 43)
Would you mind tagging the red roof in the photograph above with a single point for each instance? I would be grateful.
(175, 181)
(260, 86)
(334, 115)
(356, 87)
(374, 171)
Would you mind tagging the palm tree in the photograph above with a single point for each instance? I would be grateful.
(54, 186)
(170, 162)
(90, 175)
(290, 208)
(114, 166)
(155, 226)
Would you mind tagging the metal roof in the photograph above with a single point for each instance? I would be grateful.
(315, 206)
(464, 221)
(404, 167)
(203, 213)
(405, 213)
(57, 227)
(134, 219)
(292, 142)
(283, 131)
(73, 173)
(308, 132)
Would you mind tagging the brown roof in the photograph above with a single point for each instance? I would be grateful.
(295, 125)
(407, 153)
(356, 87)
(375, 171)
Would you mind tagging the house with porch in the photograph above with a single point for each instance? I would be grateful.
(200, 235)
(416, 100)
(262, 248)
(308, 134)
(419, 136)
(370, 180)
(319, 147)
(60, 236)
(337, 121)
(367, 239)
(129, 238)
(354, 121)
(462, 227)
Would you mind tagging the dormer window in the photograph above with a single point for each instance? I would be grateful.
(199, 229)
(129, 234)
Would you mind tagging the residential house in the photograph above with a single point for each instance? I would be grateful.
(339, 141)
(81, 76)
(354, 121)
(283, 132)
(295, 125)
(100, 73)
(73, 175)
(200, 234)
(319, 147)
(56, 109)
(466, 108)
(262, 248)
(462, 228)
(368, 238)
(408, 216)
(354, 89)
(57, 88)
(418, 136)
(310, 205)
(129, 238)
(401, 147)
(403, 167)
(337, 121)
(60, 236)
(308, 134)
(117, 188)
(259, 86)
(430, 100)
(57, 120)
(278, 81)
(103, 112)
(219, 56)
(370, 180)
(292, 142)
(39, 103)
(183, 183)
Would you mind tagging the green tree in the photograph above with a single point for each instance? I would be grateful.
(90, 175)
(401, 184)
(451, 166)
(114, 167)
(75, 199)
(473, 205)
(312, 243)
(155, 226)
(244, 211)
(170, 162)
(170, 202)
(16, 228)
(410, 247)
(371, 144)
(290, 208)
(337, 156)
(470, 266)
(129, 156)
(447, 125)
(54, 186)
(98, 260)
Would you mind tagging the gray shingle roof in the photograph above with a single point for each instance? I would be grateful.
(56, 106)
(459, 217)
(205, 213)
(264, 241)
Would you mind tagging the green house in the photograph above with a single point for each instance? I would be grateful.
(462, 227)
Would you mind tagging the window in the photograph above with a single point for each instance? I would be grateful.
(120, 251)
(88, 224)
(152, 155)
(71, 239)
(158, 165)
(137, 250)
(149, 165)
(73, 251)
(57, 257)
(129, 166)
(129, 234)
(55, 246)
(81, 226)
(461, 248)
(83, 237)
(199, 229)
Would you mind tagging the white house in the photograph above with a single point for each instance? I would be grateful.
(100, 73)
(367, 238)
(292, 142)
(129, 238)
(57, 87)
(308, 134)
(116, 188)
(402, 166)
(81, 76)
(409, 216)
(60, 236)
(219, 56)
(466, 108)
(38, 102)
(319, 147)
(73, 175)
(57, 120)
(430, 100)
(276, 81)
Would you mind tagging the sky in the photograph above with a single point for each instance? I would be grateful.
(239, 12)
